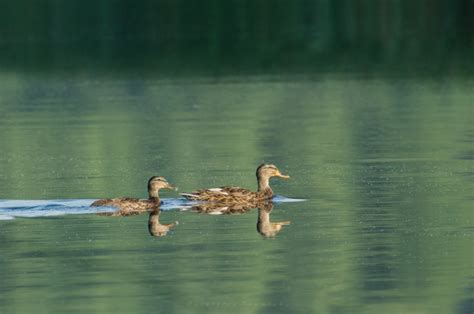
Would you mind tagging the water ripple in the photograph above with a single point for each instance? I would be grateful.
(9, 209)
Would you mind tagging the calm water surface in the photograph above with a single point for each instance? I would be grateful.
(385, 163)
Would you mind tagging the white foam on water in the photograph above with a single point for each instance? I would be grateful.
(46, 208)
(9, 209)
(284, 199)
(176, 203)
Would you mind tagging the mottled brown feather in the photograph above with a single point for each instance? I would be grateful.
(229, 194)
(128, 203)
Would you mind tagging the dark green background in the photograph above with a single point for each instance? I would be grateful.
(228, 37)
(366, 104)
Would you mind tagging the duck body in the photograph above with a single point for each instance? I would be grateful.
(234, 194)
(229, 194)
(129, 204)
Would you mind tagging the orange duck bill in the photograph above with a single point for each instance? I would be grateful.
(284, 176)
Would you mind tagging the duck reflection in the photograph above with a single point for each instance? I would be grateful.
(124, 213)
(265, 226)
(156, 228)
(223, 208)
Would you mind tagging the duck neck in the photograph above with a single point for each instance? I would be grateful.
(153, 196)
(264, 185)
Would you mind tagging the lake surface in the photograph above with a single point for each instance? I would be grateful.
(367, 105)
(385, 164)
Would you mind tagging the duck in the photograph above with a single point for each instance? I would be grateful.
(134, 205)
(156, 228)
(235, 194)
(265, 226)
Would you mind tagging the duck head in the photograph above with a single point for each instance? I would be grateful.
(155, 184)
(265, 172)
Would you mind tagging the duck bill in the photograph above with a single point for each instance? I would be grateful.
(283, 176)
(172, 187)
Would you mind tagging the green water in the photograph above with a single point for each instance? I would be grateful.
(367, 105)
(386, 166)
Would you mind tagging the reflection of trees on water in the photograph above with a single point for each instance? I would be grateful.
(215, 35)
(466, 305)
(377, 211)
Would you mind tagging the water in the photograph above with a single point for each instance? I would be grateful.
(385, 165)
(372, 120)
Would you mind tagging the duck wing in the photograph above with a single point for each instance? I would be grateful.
(222, 194)
(114, 201)
(126, 203)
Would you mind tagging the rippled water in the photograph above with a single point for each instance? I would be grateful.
(385, 165)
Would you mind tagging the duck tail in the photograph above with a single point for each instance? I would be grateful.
(189, 196)
(103, 202)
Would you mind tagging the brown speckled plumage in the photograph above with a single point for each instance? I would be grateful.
(130, 206)
(233, 194)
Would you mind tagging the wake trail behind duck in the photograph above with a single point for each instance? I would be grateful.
(9, 209)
